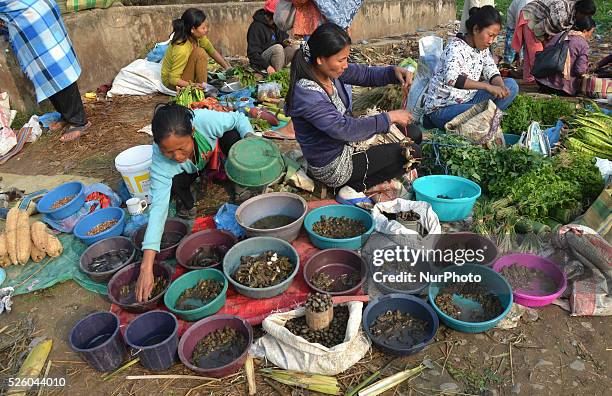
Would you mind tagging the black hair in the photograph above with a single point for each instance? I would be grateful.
(584, 24)
(268, 13)
(482, 17)
(181, 27)
(327, 40)
(171, 119)
(585, 7)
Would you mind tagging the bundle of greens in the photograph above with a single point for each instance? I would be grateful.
(245, 75)
(525, 109)
(591, 134)
(188, 95)
(281, 77)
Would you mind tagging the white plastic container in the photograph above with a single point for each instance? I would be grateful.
(134, 164)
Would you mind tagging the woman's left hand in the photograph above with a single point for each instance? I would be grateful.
(404, 76)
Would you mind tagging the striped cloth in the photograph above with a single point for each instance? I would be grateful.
(80, 5)
(22, 139)
(599, 215)
(40, 41)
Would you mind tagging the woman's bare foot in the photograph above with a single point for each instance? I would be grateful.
(74, 133)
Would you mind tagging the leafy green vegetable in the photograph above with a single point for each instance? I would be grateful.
(281, 77)
(525, 109)
(246, 76)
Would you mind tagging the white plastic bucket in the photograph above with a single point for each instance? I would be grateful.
(134, 164)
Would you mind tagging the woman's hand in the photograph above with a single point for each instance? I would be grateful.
(403, 76)
(271, 70)
(400, 117)
(145, 282)
(499, 92)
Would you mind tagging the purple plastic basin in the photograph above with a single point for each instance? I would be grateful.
(188, 246)
(130, 274)
(335, 263)
(529, 298)
(172, 225)
(202, 328)
(472, 242)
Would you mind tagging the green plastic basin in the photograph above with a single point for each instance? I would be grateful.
(188, 280)
(254, 162)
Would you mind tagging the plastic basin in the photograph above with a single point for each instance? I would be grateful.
(254, 247)
(531, 298)
(154, 336)
(493, 281)
(206, 326)
(335, 263)
(129, 274)
(511, 139)
(272, 204)
(254, 162)
(97, 340)
(90, 221)
(189, 245)
(189, 280)
(463, 192)
(406, 304)
(468, 241)
(65, 190)
(171, 225)
(101, 247)
(352, 212)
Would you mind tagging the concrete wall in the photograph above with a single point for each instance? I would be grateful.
(106, 40)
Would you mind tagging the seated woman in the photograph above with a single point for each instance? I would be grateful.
(466, 73)
(320, 108)
(184, 141)
(186, 60)
(568, 82)
(268, 47)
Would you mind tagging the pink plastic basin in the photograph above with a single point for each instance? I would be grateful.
(524, 297)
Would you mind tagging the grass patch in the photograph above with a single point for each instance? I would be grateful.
(475, 381)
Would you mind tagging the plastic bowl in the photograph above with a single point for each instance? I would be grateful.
(202, 328)
(414, 306)
(468, 241)
(254, 247)
(493, 281)
(101, 247)
(352, 212)
(171, 225)
(254, 162)
(65, 190)
(189, 280)
(188, 245)
(335, 263)
(463, 194)
(130, 274)
(278, 203)
(531, 299)
(88, 222)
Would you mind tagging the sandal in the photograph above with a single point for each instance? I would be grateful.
(74, 133)
(348, 196)
(57, 126)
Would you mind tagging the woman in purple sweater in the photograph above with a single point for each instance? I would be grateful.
(320, 108)
(568, 82)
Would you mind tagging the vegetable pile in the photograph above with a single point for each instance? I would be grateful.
(592, 133)
(188, 95)
(281, 77)
(525, 109)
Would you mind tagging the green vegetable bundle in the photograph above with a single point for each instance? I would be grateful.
(281, 77)
(525, 109)
(188, 95)
(246, 76)
(592, 134)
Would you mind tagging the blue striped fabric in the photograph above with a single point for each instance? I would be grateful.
(41, 43)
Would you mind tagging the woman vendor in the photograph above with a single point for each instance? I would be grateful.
(184, 141)
(567, 83)
(466, 73)
(186, 60)
(328, 134)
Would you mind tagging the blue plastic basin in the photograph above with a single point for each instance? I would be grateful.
(100, 216)
(254, 247)
(352, 212)
(493, 282)
(414, 306)
(65, 190)
(463, 194)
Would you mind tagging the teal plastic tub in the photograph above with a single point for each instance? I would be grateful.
(189, 280)
(462, 192)
(352, 212)
(493, 282)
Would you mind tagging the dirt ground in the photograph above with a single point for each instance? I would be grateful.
(553, 355)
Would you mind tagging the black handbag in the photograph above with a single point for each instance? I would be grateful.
(552, 60)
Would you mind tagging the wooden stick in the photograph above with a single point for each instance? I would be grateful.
(40, 389)
(42, 266)
(447, 356)
(250, 374)
(167, 376)
(275, 387)
(511, 365)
